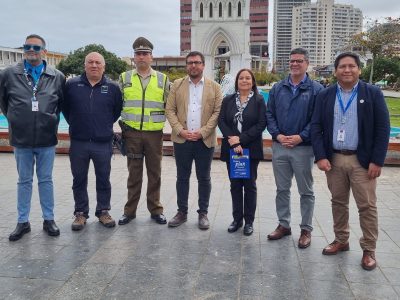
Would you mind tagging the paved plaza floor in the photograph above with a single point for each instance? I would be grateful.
(145, 260)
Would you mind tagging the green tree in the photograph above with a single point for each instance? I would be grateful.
(175, 73)
(263, 77)
(74, 63)
(380, 39)
(386, 68)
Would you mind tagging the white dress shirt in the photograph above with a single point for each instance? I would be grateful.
(195, 103)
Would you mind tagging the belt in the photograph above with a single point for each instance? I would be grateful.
(345, 152)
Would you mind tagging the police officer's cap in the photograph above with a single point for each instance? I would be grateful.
(142, 44)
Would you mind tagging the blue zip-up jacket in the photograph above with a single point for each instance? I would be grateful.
(290, 114)
(91, 111)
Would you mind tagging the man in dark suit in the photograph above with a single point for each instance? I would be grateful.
(350, 134)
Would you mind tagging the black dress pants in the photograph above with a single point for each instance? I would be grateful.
(244, 194)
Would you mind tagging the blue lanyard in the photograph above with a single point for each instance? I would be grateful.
(34, 86)
(339, 96)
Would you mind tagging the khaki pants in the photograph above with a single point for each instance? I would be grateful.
(148, 143)
(347, 173)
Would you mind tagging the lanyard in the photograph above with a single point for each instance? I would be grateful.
(339, 96)
(30, 83)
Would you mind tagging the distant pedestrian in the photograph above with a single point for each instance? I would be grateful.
(350, 135)
(31, 93)
(192, 110)
(92, 104)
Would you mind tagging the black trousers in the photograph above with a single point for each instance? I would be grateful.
(80, 154)
(244, 194)
(202, 156)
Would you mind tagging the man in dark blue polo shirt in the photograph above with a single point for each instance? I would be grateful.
(92, 104)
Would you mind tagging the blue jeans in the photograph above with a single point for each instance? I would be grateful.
(299, 162)
(184, 155)
(26, 159)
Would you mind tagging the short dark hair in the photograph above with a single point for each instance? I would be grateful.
(36, 36)
(348, 54)
(253, 78)
(196, 53)
(301, 51)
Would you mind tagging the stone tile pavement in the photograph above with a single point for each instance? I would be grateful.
(144, 260)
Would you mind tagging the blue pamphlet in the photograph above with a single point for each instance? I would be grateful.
(239, 164)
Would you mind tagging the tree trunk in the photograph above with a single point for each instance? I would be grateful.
(372, 70)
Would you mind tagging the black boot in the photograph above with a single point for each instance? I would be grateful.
(51, 228)
(19, 231)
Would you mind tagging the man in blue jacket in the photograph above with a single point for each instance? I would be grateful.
(289, 109)
(350, 134)
(92, 104)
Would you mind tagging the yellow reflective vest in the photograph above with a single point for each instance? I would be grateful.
(143, 109)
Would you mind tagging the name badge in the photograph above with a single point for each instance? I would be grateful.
(340, 135)
(239, 164)
(35, 105)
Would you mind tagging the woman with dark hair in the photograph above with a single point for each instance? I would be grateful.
(242, 121)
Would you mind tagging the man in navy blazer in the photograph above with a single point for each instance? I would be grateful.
(350, 134)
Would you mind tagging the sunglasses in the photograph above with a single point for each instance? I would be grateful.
(35, 48)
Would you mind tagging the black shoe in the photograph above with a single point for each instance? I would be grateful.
(19, 231)
(125, 219)
(51, 228)
(160, 219)
(235, 225)
(248, 229)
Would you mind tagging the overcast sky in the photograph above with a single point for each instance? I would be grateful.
(68, 25)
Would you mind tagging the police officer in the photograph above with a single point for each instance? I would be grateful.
(144, 92)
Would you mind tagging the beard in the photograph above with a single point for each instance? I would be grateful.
(33, 59)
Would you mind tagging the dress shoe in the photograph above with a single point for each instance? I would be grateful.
(235, 225)
(368, 261)
(335, 247)
(51, 228)
(204, 224)
(178, 220)
(279, 233)
(19, 231)
(125, 219)
(248, 229)
(160, 219)
(305, 239)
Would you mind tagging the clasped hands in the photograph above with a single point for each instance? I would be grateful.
(289, 141)
(192, 136)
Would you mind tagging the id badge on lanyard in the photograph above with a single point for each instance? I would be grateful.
(34, 101)
(35, 104)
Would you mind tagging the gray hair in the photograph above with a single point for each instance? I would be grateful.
(301, 51)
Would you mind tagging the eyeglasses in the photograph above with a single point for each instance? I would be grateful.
(299, 61)
(35, 48)
(197, 63)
